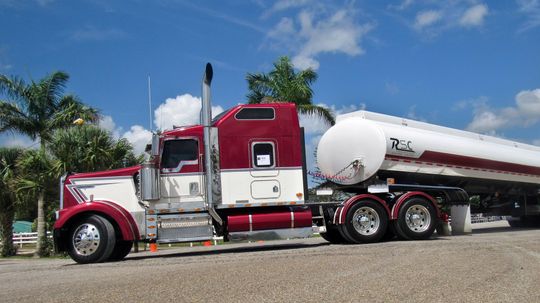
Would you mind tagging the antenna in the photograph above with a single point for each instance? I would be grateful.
(149, 103)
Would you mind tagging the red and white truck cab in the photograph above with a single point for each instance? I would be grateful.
(257, 188)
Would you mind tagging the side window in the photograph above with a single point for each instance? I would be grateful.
(177, 153)
(255, 113)
(263, 154)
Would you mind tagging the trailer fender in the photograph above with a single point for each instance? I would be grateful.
(406, 196)
(120, 216)
(341, 211)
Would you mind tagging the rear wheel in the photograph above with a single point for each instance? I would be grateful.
(416, 220)
(91, 240)
(366, 222)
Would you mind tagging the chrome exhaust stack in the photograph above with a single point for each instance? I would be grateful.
(206, 121)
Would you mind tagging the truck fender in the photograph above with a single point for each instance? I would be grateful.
(341, 211)
(406, 196)
(121, 217)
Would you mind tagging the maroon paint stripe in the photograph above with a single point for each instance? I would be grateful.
(473, 163)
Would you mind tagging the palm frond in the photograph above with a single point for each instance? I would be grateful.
(52, 86)
(12, 118)
(324, 113)
(14, 88)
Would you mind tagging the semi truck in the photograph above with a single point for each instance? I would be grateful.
(242, 175)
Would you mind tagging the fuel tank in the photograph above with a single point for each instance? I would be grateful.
(362, 144)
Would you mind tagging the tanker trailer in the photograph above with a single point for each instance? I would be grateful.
(365, 149)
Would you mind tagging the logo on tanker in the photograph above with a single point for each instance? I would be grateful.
(402, 145)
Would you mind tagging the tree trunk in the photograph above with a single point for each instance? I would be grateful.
(41, 246)
(6, 221)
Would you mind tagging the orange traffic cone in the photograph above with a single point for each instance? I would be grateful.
(153, 247)
(207, 243)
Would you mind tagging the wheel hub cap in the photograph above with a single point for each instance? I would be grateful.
(86, 239)
(366, 221)
(418, 218)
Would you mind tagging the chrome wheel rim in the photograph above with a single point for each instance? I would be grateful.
(366, 221)
(418, 218)
(86, 239)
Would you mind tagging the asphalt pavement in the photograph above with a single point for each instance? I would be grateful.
(495, 264)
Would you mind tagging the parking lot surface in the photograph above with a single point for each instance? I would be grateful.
(495, 264)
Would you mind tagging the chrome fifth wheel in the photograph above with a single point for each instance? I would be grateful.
(91, 239)
(416, 220)
(366, 222)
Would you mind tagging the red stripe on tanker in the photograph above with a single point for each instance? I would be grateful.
(363, 143)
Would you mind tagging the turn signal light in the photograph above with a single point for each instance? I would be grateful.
(390, 181)
(299, 195)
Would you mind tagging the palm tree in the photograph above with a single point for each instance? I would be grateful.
(90, 148)
(36, 109)
(8, 173)
(39, 173)
(283, 84)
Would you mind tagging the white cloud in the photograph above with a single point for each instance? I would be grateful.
(525, 113)
(391, 88)
(314, 125)
(437, 17)
(91, 33)
(528, 102)
(4, 66)
(319, 31)
(402, 6)
(107, 123)
(531, 10)
(138, 136)
(17, 140)
(411, 114)
(474, 16)
(282, 5)
(44, 2)
(182, 110)
(426, 18)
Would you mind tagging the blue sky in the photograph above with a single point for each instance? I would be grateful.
(465, 64)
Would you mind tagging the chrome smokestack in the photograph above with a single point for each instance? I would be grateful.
(206, 121)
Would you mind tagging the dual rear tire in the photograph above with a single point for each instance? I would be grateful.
(367, 222)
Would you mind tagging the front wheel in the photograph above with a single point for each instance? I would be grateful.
(121, 250)
(91, 240)
(366, 222)
(417, 219)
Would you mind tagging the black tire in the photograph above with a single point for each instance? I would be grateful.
(366, 222)
(333, 235)
(420, 227)
(390, 233)
(121, 250)
(515, 222)
(91, 240)
(524, 221)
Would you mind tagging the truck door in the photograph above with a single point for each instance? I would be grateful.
(181, 174)
(264, 172)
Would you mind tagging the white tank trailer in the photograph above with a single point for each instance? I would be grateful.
(364, 148)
